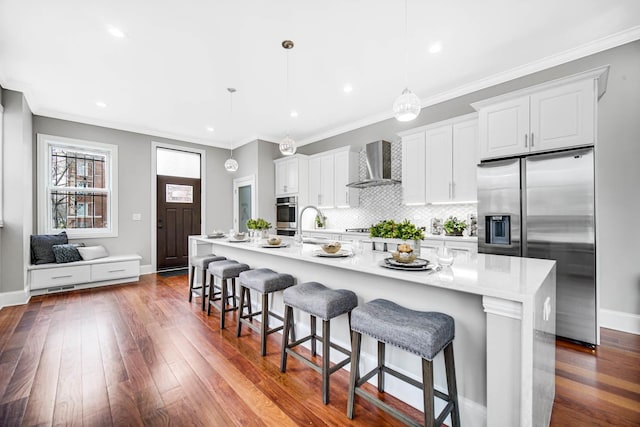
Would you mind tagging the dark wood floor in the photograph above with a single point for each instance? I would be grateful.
(142, 355)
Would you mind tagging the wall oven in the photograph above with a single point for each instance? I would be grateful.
(286, 215)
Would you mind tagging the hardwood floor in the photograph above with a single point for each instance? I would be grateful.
(142, 355)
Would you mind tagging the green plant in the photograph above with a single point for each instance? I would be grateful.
(258, 224)
(454, 225)
(321, 220)
(389, 229)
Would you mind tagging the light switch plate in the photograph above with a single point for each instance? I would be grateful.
(137, 217)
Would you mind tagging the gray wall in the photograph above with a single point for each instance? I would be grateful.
(18, 185)
(134, 177)
(617, 154)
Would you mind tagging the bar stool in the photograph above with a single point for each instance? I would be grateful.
(319, 301)
(422, 333)
(224, 270)
(201, 262)
(264, 281)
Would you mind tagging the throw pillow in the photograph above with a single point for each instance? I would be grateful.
(41, 247)
(93, 252)
(66, 253)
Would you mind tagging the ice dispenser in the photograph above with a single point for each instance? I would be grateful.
(498, 229)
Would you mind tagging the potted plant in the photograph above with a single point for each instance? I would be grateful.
(387, 234)
(320, 221)
(454, 227)
(259, 224)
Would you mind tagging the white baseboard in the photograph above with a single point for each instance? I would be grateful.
(146, 269)
(13, 298)
(620, 321)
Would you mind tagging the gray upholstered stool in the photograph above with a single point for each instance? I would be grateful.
(224, 270)
(201, 262)
(422, 333)
(265, 282)
(319, 301)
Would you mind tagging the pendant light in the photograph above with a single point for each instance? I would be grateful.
(407, 105)
(287, 144)
(231, 165)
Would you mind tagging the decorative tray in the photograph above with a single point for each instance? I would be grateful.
(281, 245)
(417, 263)
(340, 254)
(215, 235)
(403, 267)
(232, 240)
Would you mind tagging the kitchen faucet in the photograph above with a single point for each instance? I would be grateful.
(298, 237)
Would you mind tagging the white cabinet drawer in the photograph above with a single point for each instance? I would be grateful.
(114, 270)
(462, 246)
(51, 277)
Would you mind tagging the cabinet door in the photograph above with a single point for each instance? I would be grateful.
(504, 128)
(563, 117)
(326, 182)
(315, 177)
(345, 171)
(281, 178)
(291, 176)
(413, 169)
(465, 161)
(439, 164)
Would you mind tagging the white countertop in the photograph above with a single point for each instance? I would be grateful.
(352, 233)
(511, 278)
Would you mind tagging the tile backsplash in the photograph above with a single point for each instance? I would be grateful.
(385, 202)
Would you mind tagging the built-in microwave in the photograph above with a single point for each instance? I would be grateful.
(286, 214)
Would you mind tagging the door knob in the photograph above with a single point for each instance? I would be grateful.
(160, 223)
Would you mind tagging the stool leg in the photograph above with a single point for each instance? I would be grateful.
(288, 315)
(193, 273)
(427, 393)
(233, 291)
(451, 384)
(264, 324)
(326, 363)
(381, 348)
(224, 291)
(313, 335)
(239, 326)
(354, 376)
(203, 288)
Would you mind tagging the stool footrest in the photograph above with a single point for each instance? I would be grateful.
(256, 328)
(315, 366)
(393, 411)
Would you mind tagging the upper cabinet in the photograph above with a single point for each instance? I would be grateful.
(556, 115)
(439, 162)
(291, 175)
(329, 173)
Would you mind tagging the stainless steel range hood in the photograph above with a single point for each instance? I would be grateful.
(378, 166)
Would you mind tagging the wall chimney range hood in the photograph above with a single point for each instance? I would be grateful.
(378, 166)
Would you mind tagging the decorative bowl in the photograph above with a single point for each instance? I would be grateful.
(275, 241)
(331, 248)
(404, 257)
(240, 236)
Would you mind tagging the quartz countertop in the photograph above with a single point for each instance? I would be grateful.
(511, 278)
(341, 231)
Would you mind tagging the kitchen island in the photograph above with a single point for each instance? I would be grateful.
(504, 309)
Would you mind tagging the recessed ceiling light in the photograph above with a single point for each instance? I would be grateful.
(294, 113)
(347, 88)
(116, 32)
(101, 104)
(210, 129)
(435, 48)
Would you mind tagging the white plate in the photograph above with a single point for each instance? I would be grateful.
(427, 267)
(340, 254)
(215, 235)
(281, 245)
(237, 241)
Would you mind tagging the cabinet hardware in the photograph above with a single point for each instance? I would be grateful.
(526, 137)
(62, 277)
(285, 188)
(117, 271)
(532, 139)
(346, 197)
(453, 191)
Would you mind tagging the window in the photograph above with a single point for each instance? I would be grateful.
(77, 187)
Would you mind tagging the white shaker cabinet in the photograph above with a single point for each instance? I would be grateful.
(413, 169)
(465, 161)
(291, 175)
(439, 164)
(345, 165)
(321, 180)
(551, 116)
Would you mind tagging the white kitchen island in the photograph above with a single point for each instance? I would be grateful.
(504, 309)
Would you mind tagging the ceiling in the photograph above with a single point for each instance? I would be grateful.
(168, 75)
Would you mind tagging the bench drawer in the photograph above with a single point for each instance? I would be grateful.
(115, 270)
(51, 277)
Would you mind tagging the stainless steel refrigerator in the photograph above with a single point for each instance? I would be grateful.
(542, 206)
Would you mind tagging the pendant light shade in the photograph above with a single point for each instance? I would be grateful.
(407, 106)
(287, 145)
(231, 165)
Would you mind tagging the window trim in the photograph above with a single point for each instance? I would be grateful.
(43, 174)
(1, 166)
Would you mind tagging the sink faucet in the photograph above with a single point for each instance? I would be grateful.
(298, 237)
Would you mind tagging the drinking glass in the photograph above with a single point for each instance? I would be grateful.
(445, 257)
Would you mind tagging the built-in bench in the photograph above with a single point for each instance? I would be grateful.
(111, 270)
